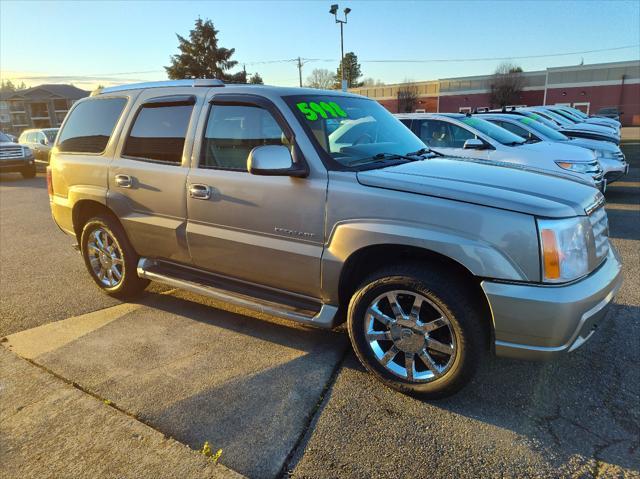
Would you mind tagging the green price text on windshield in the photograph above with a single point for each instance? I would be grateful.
(312, 110)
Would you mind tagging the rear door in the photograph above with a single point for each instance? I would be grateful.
(267, 230)
(148, 174)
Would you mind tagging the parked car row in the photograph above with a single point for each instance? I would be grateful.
(320, 207)
(40, 141)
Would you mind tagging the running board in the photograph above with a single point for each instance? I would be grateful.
(323, 318)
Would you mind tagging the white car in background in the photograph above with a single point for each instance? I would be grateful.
(610, 157)
(596, 120)
(571, 116)
(455, 134)
(574, 129)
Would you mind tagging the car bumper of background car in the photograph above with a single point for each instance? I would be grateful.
(541, 322)
(15, 165)
(613, 169)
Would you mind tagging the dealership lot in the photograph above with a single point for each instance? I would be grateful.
(283, 399)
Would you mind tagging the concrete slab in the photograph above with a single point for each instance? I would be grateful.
(246, 385)
(49, 429)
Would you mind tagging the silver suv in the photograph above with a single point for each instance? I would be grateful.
(241, 193)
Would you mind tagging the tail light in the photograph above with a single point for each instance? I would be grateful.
(49, 181)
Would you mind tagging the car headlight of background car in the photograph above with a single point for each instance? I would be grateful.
(581, 167)
(564, 250)
(605, 154)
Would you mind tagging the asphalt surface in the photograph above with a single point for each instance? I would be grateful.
(287, 400)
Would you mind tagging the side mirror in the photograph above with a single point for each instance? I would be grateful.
(274, 160)
(473, 144)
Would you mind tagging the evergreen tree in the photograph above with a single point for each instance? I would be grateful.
(352, 71)
(200, 56)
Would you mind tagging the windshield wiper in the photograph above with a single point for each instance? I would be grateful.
(515, 143)
(384, 157)
(424, 151)
(533, 140)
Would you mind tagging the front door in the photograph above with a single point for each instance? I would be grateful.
(148, 174)
(267, 230)
(447, 138)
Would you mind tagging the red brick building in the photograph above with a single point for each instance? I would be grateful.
(588, 87)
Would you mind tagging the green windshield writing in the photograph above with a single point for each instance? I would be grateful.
(312, 110)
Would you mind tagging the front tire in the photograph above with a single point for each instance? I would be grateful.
(110, 258)
(418, 331)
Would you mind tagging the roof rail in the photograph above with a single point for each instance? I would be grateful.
(196, 82)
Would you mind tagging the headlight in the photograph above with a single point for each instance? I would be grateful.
(26, 151)
(576, 167)
(563, 245)
(604, 154)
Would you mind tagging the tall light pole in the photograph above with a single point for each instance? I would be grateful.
(334, 12)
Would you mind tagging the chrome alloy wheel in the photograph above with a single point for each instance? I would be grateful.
(410, 336)
(105, 257)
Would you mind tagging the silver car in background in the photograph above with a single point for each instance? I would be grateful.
(468, 136)
(611, 158)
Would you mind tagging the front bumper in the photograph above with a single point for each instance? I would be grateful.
(613, 168)
(15, 165)
(540, 322)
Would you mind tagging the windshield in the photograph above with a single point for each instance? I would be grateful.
(544, 130)
(4, 137)
(352, 129)
(494, 131)
(559, 119)
(576, 112)
(51, 135)
(569, 116)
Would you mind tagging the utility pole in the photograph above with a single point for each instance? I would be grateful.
(334, 12)
(300, 71)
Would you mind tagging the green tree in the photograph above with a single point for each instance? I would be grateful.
(352, 71)
(201, 57)
(256, 79)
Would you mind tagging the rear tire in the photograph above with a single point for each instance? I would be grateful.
(110, 259)
(429, 343)
(28, 172)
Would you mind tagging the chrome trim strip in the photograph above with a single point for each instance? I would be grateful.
(325, 318)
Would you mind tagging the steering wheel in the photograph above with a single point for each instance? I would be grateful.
(361, 139)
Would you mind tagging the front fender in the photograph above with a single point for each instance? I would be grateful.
(481, 258)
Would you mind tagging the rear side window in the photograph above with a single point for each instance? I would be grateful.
(158, 132)
(90, 125)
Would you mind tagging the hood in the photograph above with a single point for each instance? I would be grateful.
(593, 144)
(589, 127)
(560, 151)
(7, 143)
(471, 181)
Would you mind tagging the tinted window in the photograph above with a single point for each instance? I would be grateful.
(515, 129)
(158, 132)
(233, 131)
(4, 138)
(90, 125)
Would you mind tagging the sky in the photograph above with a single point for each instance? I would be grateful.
(90, 43)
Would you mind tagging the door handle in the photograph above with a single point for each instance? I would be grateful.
(199, 192)
(124, 181)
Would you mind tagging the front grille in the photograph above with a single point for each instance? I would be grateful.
(595, 171)
(11, 152)
(600, 228)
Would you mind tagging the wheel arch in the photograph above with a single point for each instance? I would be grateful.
(85, 209)
(366, 260)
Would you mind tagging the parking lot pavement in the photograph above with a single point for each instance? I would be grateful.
(42, 278)
(197, 374)
(279, 397)
(49, 429)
